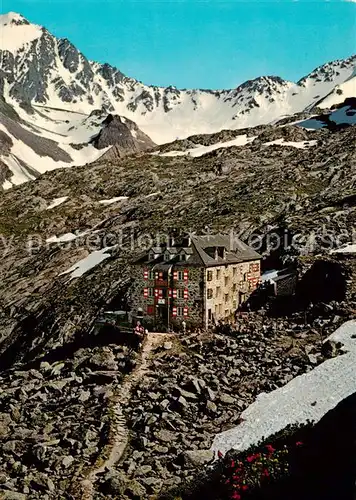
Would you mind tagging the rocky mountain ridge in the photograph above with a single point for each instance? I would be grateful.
(40, 69)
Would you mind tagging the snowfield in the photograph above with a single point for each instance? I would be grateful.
(241, 140)
(298, 145)
(113, 200)
(351, 248)
(342, 116)
(84, 265)
(56, 202)
(307, 397)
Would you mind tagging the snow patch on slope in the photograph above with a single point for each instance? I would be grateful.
(241, 140)
(92, 260)
(307, 397)
(113, 200)
(298, 145)
(56, 202)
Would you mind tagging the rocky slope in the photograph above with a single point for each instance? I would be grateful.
(67, 240)
(55, 222)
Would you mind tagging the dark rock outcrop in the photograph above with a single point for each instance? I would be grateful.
(124, 135)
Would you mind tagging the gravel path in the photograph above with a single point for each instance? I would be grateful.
(119, 436)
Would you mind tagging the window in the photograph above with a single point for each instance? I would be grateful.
(151, 256)
(150, 310)
(218, 290)
(209, 293)
(151, 292)
(226, 298)
(254, 268)
(180, 275)
(209, 276)
(245, 276)
(234, 288)
(209, 314)
(218, 273)
(234, 271)
(167, 256)
(183, 256)
(180, 294)
(180, 311)
(226, 280)
(151, 275)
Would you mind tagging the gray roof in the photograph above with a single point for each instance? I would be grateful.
(236, 250)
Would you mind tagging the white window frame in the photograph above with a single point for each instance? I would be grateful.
(180, 275)
(180, 311)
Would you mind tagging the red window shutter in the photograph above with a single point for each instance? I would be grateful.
(174, 311)
(174, 294)
(185, 274)
(145, 292)
(185, 293)
(185, 312)
(145, 274)
(160, 276)
(175, 275)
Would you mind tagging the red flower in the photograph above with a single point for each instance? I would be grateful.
(236, 496)
(270, 448)
(299, 443)
(220, 455)
(232, 463)
(244, 487)
(265, 473)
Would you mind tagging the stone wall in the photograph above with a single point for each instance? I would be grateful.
(194, 301)
(231, 285)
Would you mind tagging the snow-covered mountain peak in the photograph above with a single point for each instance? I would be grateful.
(339, 70)
(17, 32)
(36, 68)
(12, 18)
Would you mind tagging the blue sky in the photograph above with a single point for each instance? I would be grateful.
(201, 44)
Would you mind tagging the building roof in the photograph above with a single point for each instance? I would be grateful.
(201, 252)
(236, 250)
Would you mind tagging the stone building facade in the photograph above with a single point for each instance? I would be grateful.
(198, 279)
